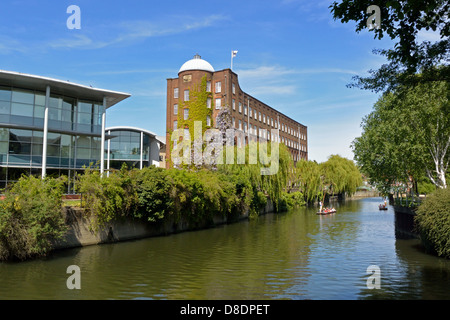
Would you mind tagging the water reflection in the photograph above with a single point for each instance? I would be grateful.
(295, 255)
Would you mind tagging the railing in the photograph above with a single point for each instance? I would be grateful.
(407, 201)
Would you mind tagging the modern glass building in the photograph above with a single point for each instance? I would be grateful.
(50, 127)
(135, 147)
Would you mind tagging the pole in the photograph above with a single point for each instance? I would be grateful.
(45, 136)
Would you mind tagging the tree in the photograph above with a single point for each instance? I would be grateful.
(406, 136)
(402, 20)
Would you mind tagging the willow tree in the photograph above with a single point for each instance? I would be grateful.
(309, 179)
(340, 176)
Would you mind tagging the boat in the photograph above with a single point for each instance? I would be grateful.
(382, 207)
(326, 211)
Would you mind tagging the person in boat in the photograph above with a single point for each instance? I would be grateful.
(320, 204)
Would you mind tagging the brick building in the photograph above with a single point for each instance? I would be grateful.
(249, 115)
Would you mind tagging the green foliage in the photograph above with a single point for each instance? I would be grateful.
(402, 21)
(292, 200)
(31, 218)
(407, 135)
(433, 222)
(153, 188)
(107, 198)
(334, 176)
(197, 105)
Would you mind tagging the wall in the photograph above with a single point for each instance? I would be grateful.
(80, 234)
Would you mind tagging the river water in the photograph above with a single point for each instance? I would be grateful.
(293, 255)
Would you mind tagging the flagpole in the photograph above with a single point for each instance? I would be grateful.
(232, 59)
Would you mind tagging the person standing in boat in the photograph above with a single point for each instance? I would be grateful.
(320, 204)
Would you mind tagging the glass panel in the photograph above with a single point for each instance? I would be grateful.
(20, 109)
(20, 135)
(5, 107)
(36, 150)
(83, 153)
(85, 107)
(38, 137)
(20, 148)
(54, 138)
(55, 102)
(54, 114)
(53, 150)
(23, 96)
(5, 94)
(39, 112)
(66, 115)
(84, 142)
(4, 134)
(4, 147)
(39, 99)
(84, 118)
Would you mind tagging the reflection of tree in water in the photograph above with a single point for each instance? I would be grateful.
(416, 275)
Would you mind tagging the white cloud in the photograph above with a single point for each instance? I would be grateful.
(132, 31)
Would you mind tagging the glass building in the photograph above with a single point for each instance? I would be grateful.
(50, 127)
(135, 147)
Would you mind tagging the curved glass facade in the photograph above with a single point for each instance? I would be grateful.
(73, 140)
(125, 147)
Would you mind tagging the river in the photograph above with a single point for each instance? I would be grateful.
(292, 255)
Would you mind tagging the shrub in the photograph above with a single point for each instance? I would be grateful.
(433, 222)
(107, 198)
(31, 218)
(153, 189)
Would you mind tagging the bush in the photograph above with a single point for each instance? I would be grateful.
(433, 222)
(107, 198)
(31, 218)
(292, 200)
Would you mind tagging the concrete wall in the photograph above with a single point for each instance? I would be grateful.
(80, 233)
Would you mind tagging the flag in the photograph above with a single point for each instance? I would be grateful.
(233, 53)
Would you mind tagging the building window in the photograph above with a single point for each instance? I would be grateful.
(245, 126)
(259, 116)
(233, 122)
(234, 88)
(264, 118)
(218, 103)
(208, 86)
(250, 111)
(218, 86)
(175, 93)
(175, 109)
(240, 125)
(234, 104)
(186, 114)
(208, 103)
(208, 120)
(245, 110)
(175, 125)
(240, 107)
(186, 95)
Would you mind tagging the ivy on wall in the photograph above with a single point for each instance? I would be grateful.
(198, 110)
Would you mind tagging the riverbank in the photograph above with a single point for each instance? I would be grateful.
(80, 232)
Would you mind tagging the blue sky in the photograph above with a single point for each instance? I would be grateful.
(292, 55)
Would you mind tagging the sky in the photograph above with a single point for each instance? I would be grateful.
(291, 55)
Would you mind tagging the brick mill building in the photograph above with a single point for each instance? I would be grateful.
(249, 115)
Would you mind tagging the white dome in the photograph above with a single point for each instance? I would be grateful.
(196, 64)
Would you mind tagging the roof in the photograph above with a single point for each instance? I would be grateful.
(197, 63)
(28, 81)
(135, 129)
